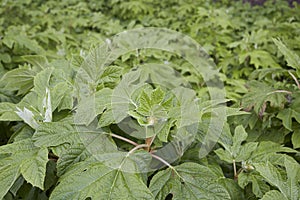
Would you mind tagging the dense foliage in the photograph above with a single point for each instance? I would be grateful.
(57, 143)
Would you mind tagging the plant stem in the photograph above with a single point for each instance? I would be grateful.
(167, 164)
(295, 79)
(149, 142)
(137, 147)
(161, 160)
(124, 139)
(234, 170)
(279, 91)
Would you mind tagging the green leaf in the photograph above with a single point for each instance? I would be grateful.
(17, 185)
(62, 96)
(246, 151)
(259, 186)
(187, 181)
(92, 144)
(89, 107)
(289, 187)
(266, 149)
(239, 136)
(259, 94)
(234, 150)
(5, 57)
(8, 112)
(259, 58)
(157, 96)
(20, 79)
(86, 110)
(163, 75)
(274, 195)
(34, 172)
(296, 139)
(111, 74)
(26, 159)
(41, 81)
(286, 116)
(224, 155)
(8, 174)
(187, 112)
(98, 180)
(123, 93)
(106, 118)
(55, 133)
(293, 60)
(39, 61)
(22, 39)
(74, 154)
(234, 190)
(145, 104)
(164, 132)
(293, 179)
(272, 175)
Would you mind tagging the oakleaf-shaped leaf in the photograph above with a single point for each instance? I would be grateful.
(20, 79)
(106, 118)
(267, 149)
(55, 133)
(34, 172)
(259, 186)
(122, 95)
(296, 139)
(236, 151)
(293, 60)
(289, 187)
(111, 74)
(259, 58)
(274, 195)
(239, 136)
(286, 116)
(22, 158)
(93, 105)
(272, 174)
(41, 81)
(92, 144)
(98, 180)
(145, 104)
(61, 96)
(188, 181)
(157, 96)
(259, 94)
(187, 112)
(39, 61)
